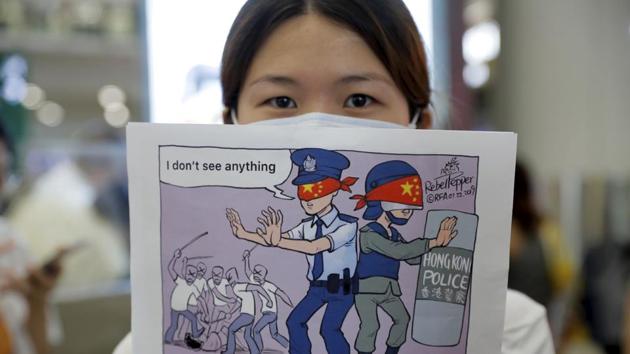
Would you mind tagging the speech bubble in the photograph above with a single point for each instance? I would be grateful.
(227, 167)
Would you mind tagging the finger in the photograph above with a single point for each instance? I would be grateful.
(265, 213)
(270, 218)
(447, 223)
(454, 221)
(453, 234)
(280, 217)
(451, 223)
(444, 223)
(272, 214)
(262, 221)
(236, 216)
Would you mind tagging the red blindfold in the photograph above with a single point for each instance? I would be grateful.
(322, 188)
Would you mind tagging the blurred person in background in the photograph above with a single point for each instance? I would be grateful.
(25, 326)
(64, 206)
(540, 263)
(607, 293)
(529, 267)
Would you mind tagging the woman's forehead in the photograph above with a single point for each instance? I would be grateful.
(312, 47)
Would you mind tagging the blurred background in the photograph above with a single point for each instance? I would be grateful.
(74, 72)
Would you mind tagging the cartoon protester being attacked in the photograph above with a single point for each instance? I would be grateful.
(269, 317)
(393, 191)
(245, 320)
(183, 293)
(327, 238)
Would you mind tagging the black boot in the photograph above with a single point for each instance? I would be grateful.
(392, 350)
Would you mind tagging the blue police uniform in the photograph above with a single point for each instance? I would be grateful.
(376, 264)
(381, 252)
(330, 273)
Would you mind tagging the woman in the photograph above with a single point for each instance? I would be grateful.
(362, 59)
(343, 59)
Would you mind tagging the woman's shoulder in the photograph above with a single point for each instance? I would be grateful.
(124, 347)
(525, 329)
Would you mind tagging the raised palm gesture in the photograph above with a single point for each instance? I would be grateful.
(446, 232)
(271, 226)
(235, 222)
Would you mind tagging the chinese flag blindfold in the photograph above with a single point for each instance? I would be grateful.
(319, 189)
(404, 190)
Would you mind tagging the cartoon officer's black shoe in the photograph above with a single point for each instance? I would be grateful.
(392, 350)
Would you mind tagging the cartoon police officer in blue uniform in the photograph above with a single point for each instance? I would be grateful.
(327, 238)
(393, 191)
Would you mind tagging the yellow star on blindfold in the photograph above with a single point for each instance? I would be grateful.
(307, 188)
(406, 188)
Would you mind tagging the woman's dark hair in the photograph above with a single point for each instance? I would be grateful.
(524, 211)
(385, 25)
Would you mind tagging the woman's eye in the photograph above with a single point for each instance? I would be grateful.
(358, 101)
(282, 102)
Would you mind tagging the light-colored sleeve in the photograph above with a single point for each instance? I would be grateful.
(297, 233)
(373, 242)
(525, 329)
(273, 287)
(201, 286)
(240, 287)
(342, 235)
(195, 291)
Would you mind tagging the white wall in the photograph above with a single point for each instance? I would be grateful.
(564, 85)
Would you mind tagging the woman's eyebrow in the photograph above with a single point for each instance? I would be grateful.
(363, 77)
(275, 79)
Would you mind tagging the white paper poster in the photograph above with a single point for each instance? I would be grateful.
(260, 239)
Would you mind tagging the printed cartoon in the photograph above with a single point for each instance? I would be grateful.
(393, 190)
(185, 291)
(219, 288)
(245, 319)
(224, 305)
(269, 313)
(327, 238)
(199, 307)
